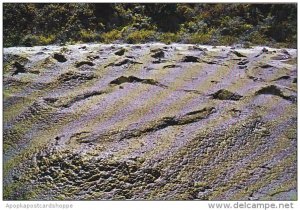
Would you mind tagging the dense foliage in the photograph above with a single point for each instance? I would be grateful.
(218, 24)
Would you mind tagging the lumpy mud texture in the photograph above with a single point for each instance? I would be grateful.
(149, 122)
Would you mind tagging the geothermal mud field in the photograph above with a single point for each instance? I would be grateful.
(149, 122)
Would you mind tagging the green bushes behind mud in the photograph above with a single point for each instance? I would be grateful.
(30, 24)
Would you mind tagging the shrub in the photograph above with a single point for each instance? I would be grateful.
(45, 40)
(169, 38)
(87, 35)
(30, 40)
(234, 26)
(258, 38)
(201, 38)
(140, 36)
(111, 36)
(196, 26)
(246, 45)
(227, 40)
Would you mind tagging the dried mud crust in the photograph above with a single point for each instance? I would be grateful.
(65, 174)
(149, 122)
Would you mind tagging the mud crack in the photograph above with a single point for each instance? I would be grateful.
(66, 102)
(153, 126)
(123, 62)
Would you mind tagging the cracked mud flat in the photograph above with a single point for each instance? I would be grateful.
(149, 122)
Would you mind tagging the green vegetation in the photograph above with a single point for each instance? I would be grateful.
(31, 24)
(169, 37)
(140, 36)
(203, 38)
(111, 36)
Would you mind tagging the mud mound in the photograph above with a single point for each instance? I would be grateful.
(72, 75)
(171, 66)
(19, 68)
(123, 62)
(277, 91)
(59, 57)
(12, 58)
(226, 95)
(133, 79)
(81, 63)
(157, 53)
(190, 58)
(238, 54)
(120, 52)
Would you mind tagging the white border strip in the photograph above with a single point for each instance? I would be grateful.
(134, 205)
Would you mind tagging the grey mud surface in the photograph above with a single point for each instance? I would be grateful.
(149, 122)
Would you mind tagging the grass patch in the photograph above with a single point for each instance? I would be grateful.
(169, 38)
(46, 40)
(258, 38)
(201, 38)
(34, 40)
(141, 36)
(87, 35)
(227, 40)
(111, 36)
